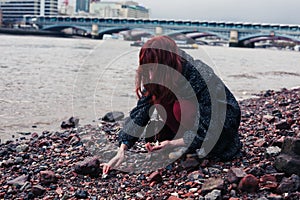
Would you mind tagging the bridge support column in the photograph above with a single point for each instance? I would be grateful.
(159, 30)
(234, 38)
(94, 32)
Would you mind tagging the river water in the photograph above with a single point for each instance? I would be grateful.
(45, 80)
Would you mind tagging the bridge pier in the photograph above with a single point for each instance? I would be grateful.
(95, 30)
(159, 30)
(234, 38)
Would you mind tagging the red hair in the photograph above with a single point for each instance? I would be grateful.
(161, 54)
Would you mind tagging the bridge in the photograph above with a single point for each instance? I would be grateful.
(237, 34)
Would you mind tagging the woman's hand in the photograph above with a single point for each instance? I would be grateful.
(115, 161)
(165, 144)
(148, 146)
(162, 145)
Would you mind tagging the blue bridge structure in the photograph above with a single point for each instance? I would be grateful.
(237, 34)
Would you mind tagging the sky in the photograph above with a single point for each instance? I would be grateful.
(255, 11)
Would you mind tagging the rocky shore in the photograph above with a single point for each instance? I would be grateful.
(65, 164)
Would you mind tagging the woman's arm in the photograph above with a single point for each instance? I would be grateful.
(115, 161)
(133, 128)
(135, 125)
(192, 141)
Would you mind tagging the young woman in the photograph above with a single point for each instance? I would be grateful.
(198, 110)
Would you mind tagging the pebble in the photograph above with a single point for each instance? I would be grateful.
(38, 190)
(273, 151)
(81, 194)
(213, 195)
(249, 183)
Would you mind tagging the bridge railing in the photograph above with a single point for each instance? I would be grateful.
(167, 23)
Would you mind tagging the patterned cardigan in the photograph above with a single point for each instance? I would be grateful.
(215, 131)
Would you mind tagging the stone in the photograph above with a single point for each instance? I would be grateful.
(274, 197)
(24, 133)
(26, 185)
(190, 164)
(273, 151)
(155, 177)
(277, 113)
(214, 195)
(278, 141)
(75, 139)
(104, 176)
(288, 164)
(47, 177)
(34, 135)
(288, 185)
(283, 125)
(140, 195)
(113, 116)
(72, 122)
(81, 194)
(291, 145)
(22, 148)
(38, 190)
(248, 184)
(268, 181)
(43, 142)
(20, 180)
(8, 163)
(89, 166)
(212, 183)
(268, 118)
(235, 174)
(289, 159)
(18, 160)
(195, 175)
(59, 191)
(260, 142)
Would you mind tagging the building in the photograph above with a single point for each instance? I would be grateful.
(0, 17)
(66, 7)
(82, 6)
(128, 9)
(131, 9)
(105, 9)
(14, 10)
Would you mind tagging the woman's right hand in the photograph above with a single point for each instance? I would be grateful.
(116, 160)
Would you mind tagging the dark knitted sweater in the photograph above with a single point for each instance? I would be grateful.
(216, 128)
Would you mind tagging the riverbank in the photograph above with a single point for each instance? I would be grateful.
(55, 165)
